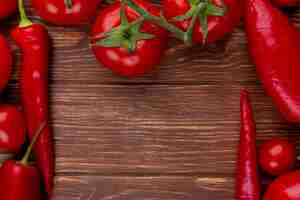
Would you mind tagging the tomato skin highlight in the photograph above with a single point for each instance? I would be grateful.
(12, 129)
(286, 187)
(147, 54)
(7, 8)
(277, 156)
(218, 26)
(5, 63)
(56, 11)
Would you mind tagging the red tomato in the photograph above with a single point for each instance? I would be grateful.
(277, 156)
(286, 187)
(58, 12)
(217, 26)
(147, 53)
(12, 129)
(5, 62)
(7, 7)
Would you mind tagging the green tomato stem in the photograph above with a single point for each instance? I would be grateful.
(189, 33)
(24, 21)
(134, 23)
(124, 20)
(25, 159)
(69, 3)
(160, 21)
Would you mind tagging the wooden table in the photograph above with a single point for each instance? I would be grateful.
(170, 135)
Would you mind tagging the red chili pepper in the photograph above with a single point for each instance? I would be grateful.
(12, 129)
(274, 44)
(7, 7)
(66, 12)
(286, 187)
(33, 41)
(19, 180)
(5, 62)
(247, 181)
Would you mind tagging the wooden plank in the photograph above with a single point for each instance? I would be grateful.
(153, 128)
(143, 188)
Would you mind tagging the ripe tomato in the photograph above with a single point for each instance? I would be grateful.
(5, 62)
(148, 41)
(66, 12)
(217, 23)
(286, 187)
(7, 7)
(12, 129)
(277, 156)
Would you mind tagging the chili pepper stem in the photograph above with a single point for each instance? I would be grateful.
(24, 21)
(25, 159)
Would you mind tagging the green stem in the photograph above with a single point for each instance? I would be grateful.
(109, 1)
(160, 21)
(69, 3)
(24, 21)
(25, 159)
(124, 20)
(139, 20)
(189, 33)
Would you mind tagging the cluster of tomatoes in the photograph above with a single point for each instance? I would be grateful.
(134, 42)
(130, 36)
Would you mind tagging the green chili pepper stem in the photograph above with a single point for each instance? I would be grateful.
(24, 21)
(25, 159)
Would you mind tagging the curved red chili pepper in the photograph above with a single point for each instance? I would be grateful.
(19, 182)
(274, 44)
(247, 183)
(33, 41)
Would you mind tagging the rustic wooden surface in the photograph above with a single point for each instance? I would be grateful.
(170, 135)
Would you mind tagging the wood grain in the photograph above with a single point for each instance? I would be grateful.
(154, 188)
(154, 129)
(171, 134)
